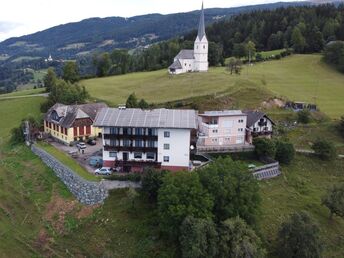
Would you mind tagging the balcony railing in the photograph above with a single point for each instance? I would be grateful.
(130, 137)
(138, 163)
(130, 149)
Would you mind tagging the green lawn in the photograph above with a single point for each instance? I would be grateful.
(23, 93)
(299, 78)
(266, 54)
(301, 187)
(68, 161)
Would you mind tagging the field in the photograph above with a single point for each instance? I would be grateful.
(299, 78)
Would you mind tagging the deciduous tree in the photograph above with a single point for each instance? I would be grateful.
(334, 200)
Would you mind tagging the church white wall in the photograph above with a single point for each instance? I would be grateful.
(201, 48)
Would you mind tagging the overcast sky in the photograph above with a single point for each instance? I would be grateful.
(20, 17)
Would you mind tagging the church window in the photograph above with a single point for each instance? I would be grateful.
(185, 64)
(204, 47)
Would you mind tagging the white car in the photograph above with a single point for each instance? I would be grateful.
(81, 145)
(103, 171)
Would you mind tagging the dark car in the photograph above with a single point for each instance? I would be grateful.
(91, 142)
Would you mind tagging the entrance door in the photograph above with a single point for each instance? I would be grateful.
(125, 156)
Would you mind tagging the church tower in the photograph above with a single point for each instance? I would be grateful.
(201, 47)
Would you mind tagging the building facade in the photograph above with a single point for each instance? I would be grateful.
(71, 123)
(195, 60)
(258, 125)
(221, 129)
(134, 139)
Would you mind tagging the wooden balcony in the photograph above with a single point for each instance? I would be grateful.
(130, 137)
(130, 149)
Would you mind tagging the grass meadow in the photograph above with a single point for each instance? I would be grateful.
(299, 78)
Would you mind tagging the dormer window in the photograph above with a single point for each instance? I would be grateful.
(55, 117)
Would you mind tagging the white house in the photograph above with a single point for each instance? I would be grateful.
(195, 60)
(134, 139)
(258, 125)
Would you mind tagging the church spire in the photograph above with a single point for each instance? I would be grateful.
(201, 26)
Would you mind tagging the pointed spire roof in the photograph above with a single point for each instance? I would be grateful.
(201, 26)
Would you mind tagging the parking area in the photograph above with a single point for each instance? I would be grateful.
(81, 156)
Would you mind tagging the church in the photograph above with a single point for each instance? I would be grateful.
(195, 60)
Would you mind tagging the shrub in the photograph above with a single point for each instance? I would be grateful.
(341, 126)
(264, 148)
(285, 152)
(324, 150)
(128, 177)
(334, 200)
(151, 183)
(304, 116)
(299, 236)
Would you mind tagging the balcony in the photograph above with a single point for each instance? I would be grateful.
(210, 126)
(130, 137)
(233, 148)
(130, 149)
(142, 163)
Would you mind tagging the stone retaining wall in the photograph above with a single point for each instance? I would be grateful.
(88, 193)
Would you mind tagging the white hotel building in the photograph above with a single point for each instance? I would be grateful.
(134, 139)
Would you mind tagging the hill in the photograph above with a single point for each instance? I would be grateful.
(81, 38)
(299, 78)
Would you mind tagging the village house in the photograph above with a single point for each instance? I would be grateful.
(258, 125)
(223, 130)
(195, 60)
(71, 123)
(134, 139)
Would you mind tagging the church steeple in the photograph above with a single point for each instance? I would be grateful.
(201, 26)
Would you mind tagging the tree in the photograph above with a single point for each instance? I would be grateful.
(50, 79)
(71, 72)
(285, 152)
(121, 61)
(239, 50)
(298, 237)
(143, 104)
(250, 50)
(198, 238)
(215, 54)
(182, 195)
(324, 150)
(237, 239)
(103, 64)
(235, 191)
(264, 148)
(341, 126)
(304, 116)
(334, 200)
(151, 183)
(298, 40)
(334, 54)
(234, 65)
(131, 101)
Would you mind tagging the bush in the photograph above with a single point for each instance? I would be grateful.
(334, 200)
(264, 148)
(341, 126)
(324, 150)
(17, 135)
(299, 237)
(285, 152)
(128, 177)
(304, 116)
(151, 183)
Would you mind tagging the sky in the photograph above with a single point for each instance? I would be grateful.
(21, 17)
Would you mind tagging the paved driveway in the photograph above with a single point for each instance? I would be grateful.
(82, 158)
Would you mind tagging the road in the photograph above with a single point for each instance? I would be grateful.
(25, 96)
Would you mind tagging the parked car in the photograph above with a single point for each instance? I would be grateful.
(81, 145)
(91, 142)
(103, 171)
(96, 161)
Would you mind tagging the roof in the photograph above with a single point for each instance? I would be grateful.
(186, 54)
(176, 65)
(68, 113)
(201, 26)
(156, 118)
(255, 116)
(223, 113)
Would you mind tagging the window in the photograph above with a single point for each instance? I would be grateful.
(240, 129)
(255, 129)
(139, 143)
(138, 155)
(127, 131)
(167, 134)
(113, 154)
(166, 146)
(241, 121)
(151, 132)
(139, 131)
(215, 131)
(150, 155)
(114, 130)
(204, 47)
(214, 140)
(227, 139)
(126, 143)
(166, 159)
(213, 121)
(151, 144)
